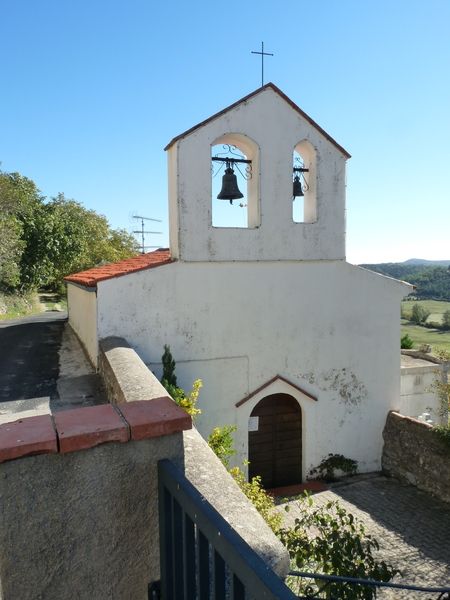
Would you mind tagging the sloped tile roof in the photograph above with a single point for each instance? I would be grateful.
(91, 277)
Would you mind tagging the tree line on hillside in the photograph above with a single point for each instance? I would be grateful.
(431, 282)
(43, 240)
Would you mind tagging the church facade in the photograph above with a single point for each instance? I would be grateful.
(296, 347)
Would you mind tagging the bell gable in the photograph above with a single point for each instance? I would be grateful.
(269, 133)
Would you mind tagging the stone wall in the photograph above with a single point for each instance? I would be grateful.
(414, 453)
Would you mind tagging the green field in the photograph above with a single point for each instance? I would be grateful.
(439, 340)
(436, 308)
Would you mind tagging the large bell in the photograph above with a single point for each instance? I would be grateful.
(297, 188)
(230, 190)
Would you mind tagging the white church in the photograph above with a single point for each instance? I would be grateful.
(295, 346)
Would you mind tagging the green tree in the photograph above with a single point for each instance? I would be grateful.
(169, 364)
(19, 199)
(42, 241)
(75, 238)
(446, 320)
(419, 314)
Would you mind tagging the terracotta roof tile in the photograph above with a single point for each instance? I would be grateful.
(91, 277)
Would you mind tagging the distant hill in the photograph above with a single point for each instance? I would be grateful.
(431, 278)
(425, 263)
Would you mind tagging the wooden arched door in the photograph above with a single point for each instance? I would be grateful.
(275, 441)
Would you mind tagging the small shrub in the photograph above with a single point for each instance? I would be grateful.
(187, 402)
(260, 499)
(334, 462)
(419, 314)
(331, 541)
(406, 342)
(220, 440)
(446, 320)
(432, 325)
(443, 433)
(441, 387)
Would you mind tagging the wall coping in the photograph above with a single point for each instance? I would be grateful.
(397, 415)
(83, 428)
(423, 355)
(420, 370)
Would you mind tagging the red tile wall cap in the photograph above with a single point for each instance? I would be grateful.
(91, 277)
(24, 437)
(154, 418)
(82, 428)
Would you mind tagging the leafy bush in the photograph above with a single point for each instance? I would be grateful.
(17, 305)
(432, 325)
(406, 342)
(331, 541)
(220, 440)
(443, 432)
(187, 402)
(441, 387)
(446, 320)
(325, 539)
(260, 499)
(334, 462)
(419, 314)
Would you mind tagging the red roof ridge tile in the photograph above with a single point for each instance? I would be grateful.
(91, 277)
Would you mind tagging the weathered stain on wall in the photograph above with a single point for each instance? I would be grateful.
(351, 391)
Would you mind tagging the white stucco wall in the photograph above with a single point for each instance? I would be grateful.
(416, 393)
(330, 328)
(82, 306)
(272, 129)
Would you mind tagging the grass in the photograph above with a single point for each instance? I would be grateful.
(13, 306)
(436, 308)
(439, 340)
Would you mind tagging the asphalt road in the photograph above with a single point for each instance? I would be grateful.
(29, 356)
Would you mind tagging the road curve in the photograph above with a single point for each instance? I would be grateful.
(29, 356)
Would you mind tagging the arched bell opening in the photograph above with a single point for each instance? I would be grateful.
(304, 205)
(275, 441)
(235, 182)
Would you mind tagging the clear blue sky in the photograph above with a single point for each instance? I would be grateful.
(92, 90)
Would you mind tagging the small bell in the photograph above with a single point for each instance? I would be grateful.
(230, 190)
(297, 188)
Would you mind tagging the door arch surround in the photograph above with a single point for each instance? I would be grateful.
(275, 444)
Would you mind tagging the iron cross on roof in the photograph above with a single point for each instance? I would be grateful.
(263, 54)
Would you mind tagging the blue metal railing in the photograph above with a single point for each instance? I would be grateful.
(201, 555)
(331, 583)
